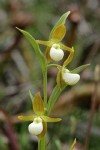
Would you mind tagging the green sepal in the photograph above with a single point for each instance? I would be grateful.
(73, 144)
(41, 135)
(64, 47)
(70, 57)
(60, 21)
(59, 79)
(47, 53)
(38, 105)
(26, 118)
(58, 33)
(35, 46)
(49, 119)
(46, 43)
(79, 69)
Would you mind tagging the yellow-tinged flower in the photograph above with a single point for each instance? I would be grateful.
(54, 50)
(38, 126)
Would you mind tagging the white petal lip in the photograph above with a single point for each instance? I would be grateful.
(56, 54)
(70, 78)
(35, 128)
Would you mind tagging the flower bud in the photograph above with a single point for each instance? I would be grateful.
(56, 53)
(70, 78)
(36, 127)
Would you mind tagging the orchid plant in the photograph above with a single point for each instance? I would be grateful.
(54, 53)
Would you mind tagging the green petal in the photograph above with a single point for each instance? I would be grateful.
(59, 79)
(26, 118)
(48, 54)
(44, 130)
(60, 21)
(49, 119)
(70, 57)
(59, 33)
(38, 105)
(46, 43)
(64, 47)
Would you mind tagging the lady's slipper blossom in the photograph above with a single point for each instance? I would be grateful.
(54, 50)
(70, 78)
(56, 53)
(38, 126)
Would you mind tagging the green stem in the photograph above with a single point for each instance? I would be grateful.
(53, 65)
(39, 144)
(42, 143)
(45, 86)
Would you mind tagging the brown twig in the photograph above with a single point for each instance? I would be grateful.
(92, 111)
(10, 133)
(93, 52)
(8, 130)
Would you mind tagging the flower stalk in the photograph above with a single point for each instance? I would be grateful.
(45, 86)
(42, 143)
(54, 53)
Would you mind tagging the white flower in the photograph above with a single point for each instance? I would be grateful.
(56, 53)
(70, 78)
(36, 127)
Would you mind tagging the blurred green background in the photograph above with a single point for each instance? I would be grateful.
(79, 106)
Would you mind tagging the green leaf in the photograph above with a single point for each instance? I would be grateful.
(31, 96)
(79, 69)
(54, 96)
(60, 21)
(49, 119)
(38, 105)
(35, 46)
(73, 144)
